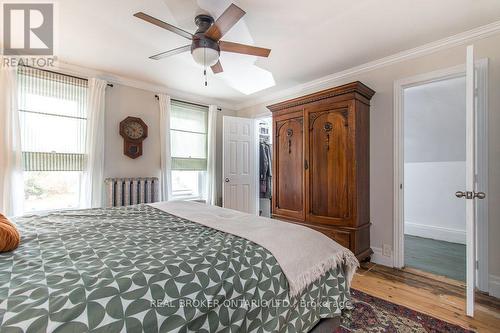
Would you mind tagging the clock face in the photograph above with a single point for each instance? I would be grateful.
(134, 130)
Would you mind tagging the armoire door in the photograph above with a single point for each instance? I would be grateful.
(329, 156)
(288, 180)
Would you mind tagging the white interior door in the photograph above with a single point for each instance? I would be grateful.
(470, 193)
(239, 167)
(469, 180)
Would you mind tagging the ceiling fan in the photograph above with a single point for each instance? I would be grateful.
(206, 42)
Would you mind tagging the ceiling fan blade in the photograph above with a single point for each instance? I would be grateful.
(171, 52)
(244, 49)
(225, 22)
(217, 68)
(164, 25)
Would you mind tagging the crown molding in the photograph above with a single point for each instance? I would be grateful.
(429, 48)
(353, 87)
(76, 70)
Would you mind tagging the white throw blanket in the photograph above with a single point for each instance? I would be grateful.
(303, 254)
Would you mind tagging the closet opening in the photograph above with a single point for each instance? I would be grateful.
(265, 130)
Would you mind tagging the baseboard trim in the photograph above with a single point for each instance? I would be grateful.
(380, 259)
(434, 232)
(494, 289)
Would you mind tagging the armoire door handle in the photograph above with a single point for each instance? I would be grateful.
(306, 165)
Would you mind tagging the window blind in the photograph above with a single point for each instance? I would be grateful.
(53, 116)
(188, 135)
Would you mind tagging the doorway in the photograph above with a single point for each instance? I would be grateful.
(434, 169)
(430, 167)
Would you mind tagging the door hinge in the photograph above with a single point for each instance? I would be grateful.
(477, 264)
(400, 186)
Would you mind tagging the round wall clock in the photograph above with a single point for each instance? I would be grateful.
(134, 131)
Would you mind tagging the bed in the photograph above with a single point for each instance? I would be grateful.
(149, 268)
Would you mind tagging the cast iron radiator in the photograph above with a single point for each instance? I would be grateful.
(131, 191)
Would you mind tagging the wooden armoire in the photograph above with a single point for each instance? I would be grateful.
(321, 163)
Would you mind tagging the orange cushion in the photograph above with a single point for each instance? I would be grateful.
(9, 236)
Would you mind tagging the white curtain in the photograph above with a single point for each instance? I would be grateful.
(11, 174)
(212, 156)
(93, 183)
(166, 161)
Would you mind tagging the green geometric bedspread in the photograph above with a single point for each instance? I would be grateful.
(139, 269)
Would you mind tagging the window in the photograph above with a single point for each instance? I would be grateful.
(53, 117)
(188, 139)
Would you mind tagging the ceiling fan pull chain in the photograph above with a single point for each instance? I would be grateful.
(205, 65)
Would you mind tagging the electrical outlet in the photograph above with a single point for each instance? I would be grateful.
(386, 250)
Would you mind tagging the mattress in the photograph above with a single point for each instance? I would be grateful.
(139, 268)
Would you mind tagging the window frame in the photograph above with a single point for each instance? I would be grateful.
(46, 85)
(202, 173)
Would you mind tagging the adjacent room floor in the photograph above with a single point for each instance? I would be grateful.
(436, 257)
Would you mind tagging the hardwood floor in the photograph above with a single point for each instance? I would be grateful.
(436, 296)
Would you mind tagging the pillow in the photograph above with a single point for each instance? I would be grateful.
(9, 236)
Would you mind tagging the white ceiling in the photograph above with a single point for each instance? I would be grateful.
(309, 39)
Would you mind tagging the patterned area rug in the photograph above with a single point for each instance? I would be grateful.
(372, 314)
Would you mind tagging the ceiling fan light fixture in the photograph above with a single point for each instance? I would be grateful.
(205, 51)
(205, 56)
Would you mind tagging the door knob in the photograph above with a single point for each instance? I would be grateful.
(226, 180)
(460, 194)
(470, 195)
(479, 195)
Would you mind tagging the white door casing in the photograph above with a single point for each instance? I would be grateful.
(239, 174)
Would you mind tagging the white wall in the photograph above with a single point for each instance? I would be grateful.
(123, 101)
(431, 208)
(381, 134)
(434, 121)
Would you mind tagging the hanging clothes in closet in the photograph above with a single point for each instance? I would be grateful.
(265, 170)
